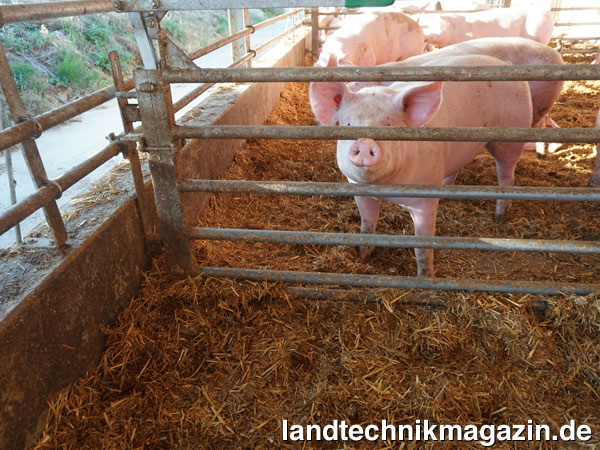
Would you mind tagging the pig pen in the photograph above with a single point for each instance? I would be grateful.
(217, 363)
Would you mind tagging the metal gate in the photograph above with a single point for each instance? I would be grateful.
(163, 139)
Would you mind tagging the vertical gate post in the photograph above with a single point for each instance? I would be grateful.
(30, 149)
(236, 23)
(314, 23)
(247, 38)
(158, 121)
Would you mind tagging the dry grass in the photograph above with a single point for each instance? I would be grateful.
(217, 364)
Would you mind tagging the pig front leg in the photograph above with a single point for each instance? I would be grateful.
(424, 216)
(369, 215)
(595, 178)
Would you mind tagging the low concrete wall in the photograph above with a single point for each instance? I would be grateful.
(53, 334)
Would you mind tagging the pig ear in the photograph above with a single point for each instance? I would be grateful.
(325, 99)
(420, 103)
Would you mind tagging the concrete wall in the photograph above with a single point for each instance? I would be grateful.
(53, 334)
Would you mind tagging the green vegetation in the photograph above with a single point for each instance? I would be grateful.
(59, 60)
(222, 25)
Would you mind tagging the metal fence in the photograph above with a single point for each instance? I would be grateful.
(163, 140)
(26, 128)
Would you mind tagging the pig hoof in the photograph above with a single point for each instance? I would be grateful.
(430, 273)
(501, 217)
(365, 252)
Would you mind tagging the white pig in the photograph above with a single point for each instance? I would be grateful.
(450, 28)
(371, 39)
(518, 52)
(413, 104)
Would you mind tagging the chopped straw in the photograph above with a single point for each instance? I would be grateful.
(217, 364)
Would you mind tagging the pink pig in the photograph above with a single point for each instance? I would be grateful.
(446, 28)
(519, 52)
(413, 104)
(371, 39)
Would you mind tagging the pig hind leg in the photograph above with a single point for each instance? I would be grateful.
(506, 155)
(369, 215)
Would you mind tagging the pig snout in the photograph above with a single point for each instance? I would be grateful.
(364, 153)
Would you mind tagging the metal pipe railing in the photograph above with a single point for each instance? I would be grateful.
(397, 282)
(41, 11)
(382, 190)
(406, 298)
(395, 241)
(33, 127)
(463, 134)
(54, 188)
(386, 73)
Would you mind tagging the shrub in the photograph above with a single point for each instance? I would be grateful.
(73, 70)
(98, 31)
(28, 77)
(176, 30)
(222, 26)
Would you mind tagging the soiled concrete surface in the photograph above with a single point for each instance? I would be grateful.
(54, 303)
(207, 159)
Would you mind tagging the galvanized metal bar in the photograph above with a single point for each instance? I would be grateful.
(575, 24)
(42, 11)
(396, 241)
(144, 203)
(380, 190)
(32, 127)
(247, 44)
(182, 5)
(581, 8)
(143, 40)
(30, 150)
(54, 189)
(405, 298)
(361, 296)
(461, 134)
(314, 24)
(566, 38)
(156, 112)
(382, 281)
(236, 23)
(387, 73)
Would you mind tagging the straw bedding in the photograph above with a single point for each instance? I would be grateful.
(217, 364)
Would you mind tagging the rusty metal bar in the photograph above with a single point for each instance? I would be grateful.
(30, 150)
(41, 11)
(387, 73)
(32, 127)
(247, 44)
(462, 134)
(396, 241)
(144, 203)
(276, 38)
(381, 190)
(382, 281)
(156, 108)
(54, 188)
(404, 299)
(12, 189)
